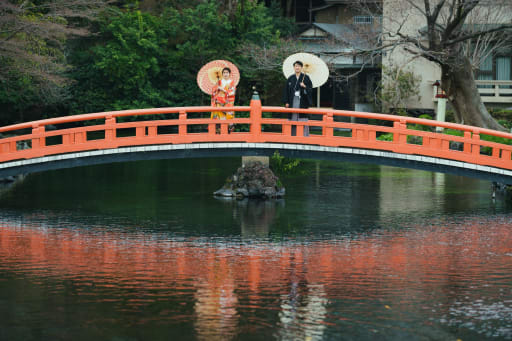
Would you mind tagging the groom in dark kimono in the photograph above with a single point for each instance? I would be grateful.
(298, 94)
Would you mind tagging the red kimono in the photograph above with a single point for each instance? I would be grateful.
(223, 95)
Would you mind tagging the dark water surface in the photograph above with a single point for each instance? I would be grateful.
(142, 251)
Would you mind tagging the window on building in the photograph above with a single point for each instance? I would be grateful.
(495, 68)
(503, 66)
(367, 19)
(363, 19)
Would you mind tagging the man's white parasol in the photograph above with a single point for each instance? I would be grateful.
(314, 67)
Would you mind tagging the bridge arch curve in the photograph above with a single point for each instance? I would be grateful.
(206, 150)
(189, 132)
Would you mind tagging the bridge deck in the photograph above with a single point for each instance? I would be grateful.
(388, 137)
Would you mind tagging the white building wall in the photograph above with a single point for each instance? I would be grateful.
(399, 15)
(405, 16)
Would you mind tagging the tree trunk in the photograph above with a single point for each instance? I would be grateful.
(289, 8)
(459, 84)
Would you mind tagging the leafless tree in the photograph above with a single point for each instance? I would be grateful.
(455, 35)
(269, 57)
(263, 65)
(32, 37)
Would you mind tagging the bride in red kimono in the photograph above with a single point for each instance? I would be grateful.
(223, 95)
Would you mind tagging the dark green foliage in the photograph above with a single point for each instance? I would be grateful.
(143, 60)
(506, 123)
(140, 59)
(24, 98)
(501, 114)
(16, 91)
(33, 54)
(124, 69)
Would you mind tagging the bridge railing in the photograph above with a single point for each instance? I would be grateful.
(256, 124)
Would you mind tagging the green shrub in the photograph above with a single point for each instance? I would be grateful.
(453, 132)
(398, 87)
(501, 114)
(282, 165)
(385, 137)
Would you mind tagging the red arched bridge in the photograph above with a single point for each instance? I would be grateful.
(182, 132)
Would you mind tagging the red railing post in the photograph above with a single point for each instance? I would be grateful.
(475, 148)
(359, 134)
(287, 129)
(223, 127)
(445, 145)
(9, 147)
(399, 137)
(506, 155)
(467, 144)
(80, 137)
(38, 140)
(110, 131)
(300, 130)
(328, 119)
(212, 129)
(182, 129)
(432, 142)
(255, 117)
(152, 131)
(66, 139)
(495, 153)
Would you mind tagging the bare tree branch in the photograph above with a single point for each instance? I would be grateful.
(466, 37)
(32, 35)
(457, 35)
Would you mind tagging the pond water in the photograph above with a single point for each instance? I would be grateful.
(143, 251)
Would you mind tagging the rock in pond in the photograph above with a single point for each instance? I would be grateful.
(252, 180)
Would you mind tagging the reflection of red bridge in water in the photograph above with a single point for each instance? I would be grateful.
(220, 285)
(185, 132)
(422, 258)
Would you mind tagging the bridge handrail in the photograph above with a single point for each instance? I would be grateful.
(272, 109)
(120, 113)
(393, 118)
(431, 142)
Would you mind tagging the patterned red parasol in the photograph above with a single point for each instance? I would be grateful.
(211, 72)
